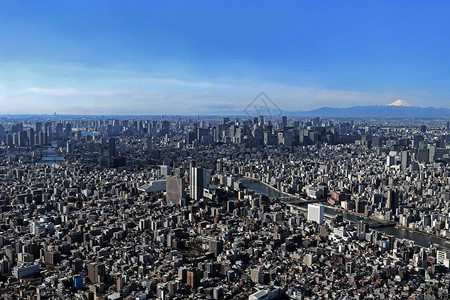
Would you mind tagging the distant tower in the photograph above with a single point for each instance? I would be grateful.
(48, 130)
(149, 145)
(165, 127)
(22, 138)
(112, 147)
(38, 126)
(30, 134)
(68, 130)
(284, 121)
(59, 130)
(2, 131)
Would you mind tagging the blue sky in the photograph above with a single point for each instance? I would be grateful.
(189, 57)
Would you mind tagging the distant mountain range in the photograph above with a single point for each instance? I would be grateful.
(397, 109)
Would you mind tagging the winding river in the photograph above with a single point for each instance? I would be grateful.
(420, 239)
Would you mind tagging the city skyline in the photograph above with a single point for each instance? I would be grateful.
(147, 58)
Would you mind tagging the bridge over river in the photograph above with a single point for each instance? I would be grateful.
(265, 189)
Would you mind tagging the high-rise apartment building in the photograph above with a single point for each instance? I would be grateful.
(96, 272)
(315, 213)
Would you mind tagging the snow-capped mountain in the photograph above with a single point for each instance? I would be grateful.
(400, 102)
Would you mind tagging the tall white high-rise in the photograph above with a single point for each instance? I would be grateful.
(315, 213)
(196, 178)
(390, 160)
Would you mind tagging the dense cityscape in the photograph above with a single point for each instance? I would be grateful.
(224, 208)
(224, 150)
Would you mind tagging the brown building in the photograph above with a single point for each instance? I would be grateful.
(174, 190)
(193, 278)
(216, 247)
(52, 258)
(120, 283)
(96, 272)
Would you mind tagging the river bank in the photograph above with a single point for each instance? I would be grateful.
(282, 194)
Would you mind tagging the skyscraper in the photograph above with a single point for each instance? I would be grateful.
(423, 155)
(30, 134)
(391, 200)
(284, 121)
(406, 159)
(112, 147)
(193, 278)
(196, 178)
(68, 130)
(390, 161)
(22, 139)
(164, 127)
(48, 131)
(2, 131)
(38, 126)
(174, 189)
(215, 246)
(261, 120)
(59, 130)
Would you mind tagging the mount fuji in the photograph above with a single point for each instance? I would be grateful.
(400, 102)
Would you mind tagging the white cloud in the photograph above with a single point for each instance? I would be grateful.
(81, 92)
(54, 92)
(179, 100)
(72, 89)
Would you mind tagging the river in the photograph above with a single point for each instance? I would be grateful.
(261, 188)
(50, 156)
(420, 239)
